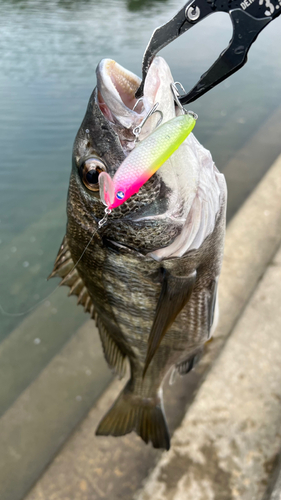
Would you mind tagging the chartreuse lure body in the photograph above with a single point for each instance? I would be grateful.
(145, 160)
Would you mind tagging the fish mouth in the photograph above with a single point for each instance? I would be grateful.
(116, 92)
(170, 192)
(116, 98)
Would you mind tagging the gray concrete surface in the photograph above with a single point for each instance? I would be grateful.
(34, 342)
(36, 425)
(90, 468)
(229, 441)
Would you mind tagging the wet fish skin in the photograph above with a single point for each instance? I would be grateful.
(156, 312)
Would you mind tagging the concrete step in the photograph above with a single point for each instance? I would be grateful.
(90, 468)
(34, 428)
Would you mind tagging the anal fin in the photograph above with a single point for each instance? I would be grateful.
(112, 352)
(175, 293)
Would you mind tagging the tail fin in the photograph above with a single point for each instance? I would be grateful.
(131, 413)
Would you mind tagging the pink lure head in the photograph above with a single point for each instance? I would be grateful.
(107, 190)
(110, 195)
(114, 192)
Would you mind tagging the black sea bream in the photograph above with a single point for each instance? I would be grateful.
(149, 275)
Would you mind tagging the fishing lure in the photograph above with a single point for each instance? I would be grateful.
(145, 160)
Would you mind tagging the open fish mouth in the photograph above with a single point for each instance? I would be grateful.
(178, 176)
(117, 87)
(116, 98)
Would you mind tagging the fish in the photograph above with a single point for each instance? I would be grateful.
(147, 271)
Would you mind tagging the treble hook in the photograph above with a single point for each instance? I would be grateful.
(176, 95)
(137, 130)
(137, 102)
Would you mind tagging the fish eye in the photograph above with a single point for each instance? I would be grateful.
(90, 170)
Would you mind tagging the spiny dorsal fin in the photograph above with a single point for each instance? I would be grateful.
(112, 353)
(64, 268)
(63, 263)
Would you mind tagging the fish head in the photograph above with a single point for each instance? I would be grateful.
(106, 138)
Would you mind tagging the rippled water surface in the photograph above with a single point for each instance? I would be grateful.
(48, 54)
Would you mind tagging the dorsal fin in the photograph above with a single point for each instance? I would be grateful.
(65, 268)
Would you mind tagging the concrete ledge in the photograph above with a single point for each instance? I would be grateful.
(35, 426)
(229, 441)
(90, 468)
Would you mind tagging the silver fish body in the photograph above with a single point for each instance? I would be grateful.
(149, 275)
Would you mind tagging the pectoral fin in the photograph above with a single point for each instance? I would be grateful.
(175, 293)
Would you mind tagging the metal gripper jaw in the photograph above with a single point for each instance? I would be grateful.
(249, 18)
(245, 30)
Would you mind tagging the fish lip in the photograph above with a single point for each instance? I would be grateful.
(116, 87)
(116, 92)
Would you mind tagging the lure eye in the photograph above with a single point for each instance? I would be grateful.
(90, 170)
